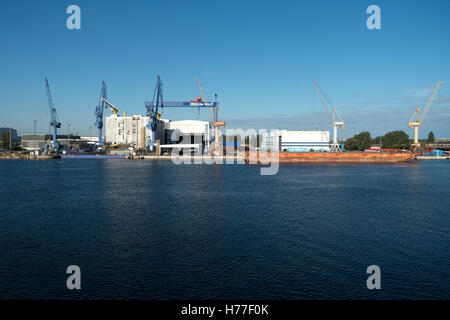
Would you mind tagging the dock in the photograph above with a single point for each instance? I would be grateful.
(432, 158)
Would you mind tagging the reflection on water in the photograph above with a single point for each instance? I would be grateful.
(155, 230)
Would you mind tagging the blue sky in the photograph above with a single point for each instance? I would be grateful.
(258, 56)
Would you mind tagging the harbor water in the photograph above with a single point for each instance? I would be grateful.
(149, 229)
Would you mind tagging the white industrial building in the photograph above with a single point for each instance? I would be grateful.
(297, 141)
(195, 130)
(133, 131)
(130, 130)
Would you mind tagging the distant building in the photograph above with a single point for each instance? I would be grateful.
(440, 143)
(89, 140)
(133, 131)
(188, 132)
(297, 141)
(14, 136)
(35, 142)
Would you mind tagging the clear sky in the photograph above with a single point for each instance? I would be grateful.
(258, 56)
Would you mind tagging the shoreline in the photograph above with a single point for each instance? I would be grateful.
(216, 159)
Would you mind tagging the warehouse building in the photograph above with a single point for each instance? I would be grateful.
(130, 130)
(34, 142)
(187, 132)
(11, 131)
(297, 141)
(133, 131)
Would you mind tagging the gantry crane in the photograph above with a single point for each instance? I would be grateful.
(54, 121)
(153, 107)
(99, 114)
(416, 119)
(336, 120)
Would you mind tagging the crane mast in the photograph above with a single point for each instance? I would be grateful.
(217, 124)
(416, 119)
(54, 122)
(336, 120)
(152, 112)
(99, 114)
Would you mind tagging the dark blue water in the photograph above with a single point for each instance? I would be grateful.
(154, 230)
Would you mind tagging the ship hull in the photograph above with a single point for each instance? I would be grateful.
(330, 157)
(92, 156)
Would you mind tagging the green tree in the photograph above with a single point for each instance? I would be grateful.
(430, 137)
(350, 144)
(396, 140)
(377, 140)
(359, 141)
(5, 140)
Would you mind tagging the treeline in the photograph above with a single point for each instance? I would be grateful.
(391, 140)
(5, 142)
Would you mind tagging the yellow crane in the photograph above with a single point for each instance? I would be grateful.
(201, 91)
(215, 121)
(416, 119)
(114, 109)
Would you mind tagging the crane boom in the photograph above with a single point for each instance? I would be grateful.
(99, 113)
(54, 121)
(152, 111)
(215, 121)
(332, 116)
(201, 89)
(113, 108)
(213, 116)
(436, 88)
(322, 95)
(416, 119)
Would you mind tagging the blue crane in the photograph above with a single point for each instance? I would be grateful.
(153, 106)
(152, 111)
(99, 113)
(54, 122)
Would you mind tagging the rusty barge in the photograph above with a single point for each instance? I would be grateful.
(329, 157)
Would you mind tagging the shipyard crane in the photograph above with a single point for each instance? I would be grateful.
(416, 119)
(152, 111)
(54, 121)
(201, 90)
(216, 123)
(336, 120)
(99, 114)
(113, 108)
